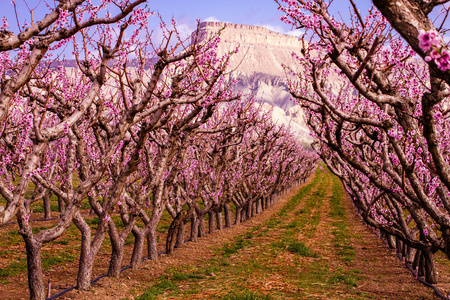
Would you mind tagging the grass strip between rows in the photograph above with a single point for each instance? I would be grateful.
(237, 265)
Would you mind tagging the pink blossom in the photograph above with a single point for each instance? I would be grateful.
(5, 23)
(443, 61)
(434, 54)
(427, 39)
(62, 20)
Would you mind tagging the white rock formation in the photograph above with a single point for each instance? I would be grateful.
(260, 50)
(259, 67)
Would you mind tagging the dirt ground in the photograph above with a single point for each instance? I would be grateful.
(383, 272)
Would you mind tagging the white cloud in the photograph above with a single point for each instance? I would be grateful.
(185, 30)
(211, 19)
(295, 32)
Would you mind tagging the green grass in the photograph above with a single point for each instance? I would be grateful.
(62, 242)
(186, 276)
(300, 248)
(13, 238)
(15, 267)
(349, 278)
(240, 242)
(295, 201)
(38, 229)
(56, 258)
(231, 248)
(276, 253)
(340, 232)
(293, 246)
(162, 286)
(226, 264)
(93, 222)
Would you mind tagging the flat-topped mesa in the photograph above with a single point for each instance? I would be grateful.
(260, 49)
(259, 67)
(249, 35)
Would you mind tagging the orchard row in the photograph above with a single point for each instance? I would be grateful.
(134, 128)
(376, 92)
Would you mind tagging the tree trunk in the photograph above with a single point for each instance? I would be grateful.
(201, 226)
(88, 251)
(150, 228)
(61, 206)
(138, 248)
(180, 235)
(171, 239)
(399, 245)
(410, 255)
(84, 267)
(391, 241)
(211, 221)
(34, 264)
(219, 220)
(173, 229)
(417, 259)
(266, 202)
(244, 213)
(47, 208)
(430, 266)
(152, 243)
(117, 245)
(27, 205)
(248, 211)
(446, 237)
(194, 228)
(422, 264)
(259, 205)
(227, 215)
(115, 264)
(238, 217)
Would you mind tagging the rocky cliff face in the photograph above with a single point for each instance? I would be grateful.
(259, 67)
(260, 50)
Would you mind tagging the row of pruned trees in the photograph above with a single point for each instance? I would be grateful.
(380, 115)
(133, 129)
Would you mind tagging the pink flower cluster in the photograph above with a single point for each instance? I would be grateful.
(62, 19)
(4, 24)
(431, 42)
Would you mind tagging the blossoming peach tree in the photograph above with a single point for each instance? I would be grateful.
(129, 130)
(376, 96)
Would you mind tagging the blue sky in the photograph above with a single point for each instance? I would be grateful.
(236, 11)
(249, 12)
(186, 12)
